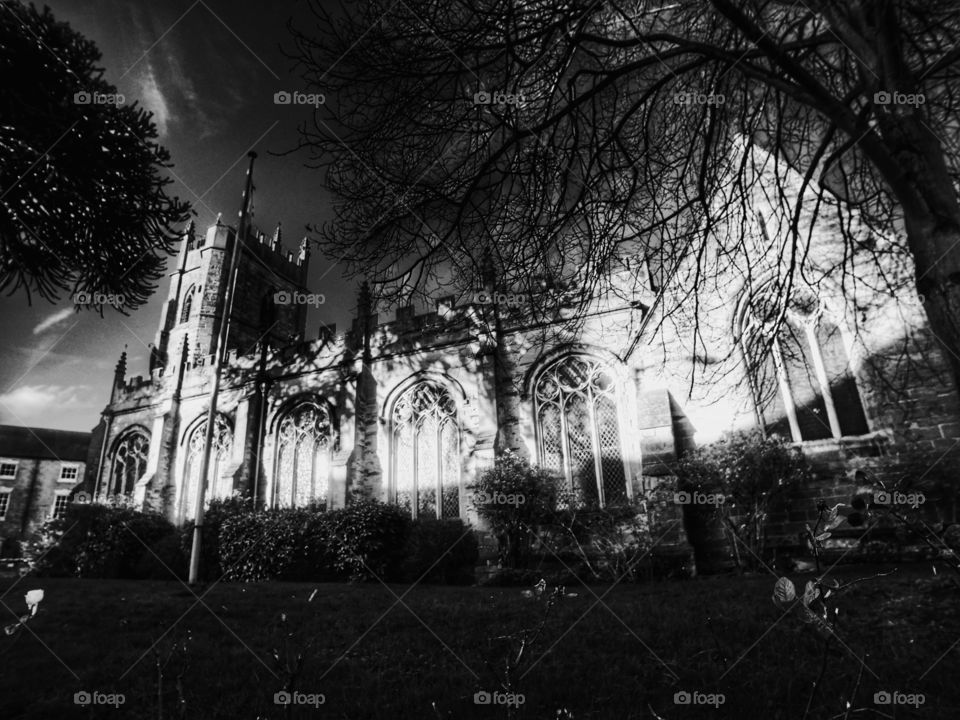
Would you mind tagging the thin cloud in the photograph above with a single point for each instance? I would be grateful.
(34, 402)
(53, 319)
(153, 99)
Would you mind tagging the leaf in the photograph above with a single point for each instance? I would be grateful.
(823, 536)
(810, 593)
(784, 592)
(835, 523)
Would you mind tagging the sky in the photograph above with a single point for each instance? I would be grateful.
(208, 70)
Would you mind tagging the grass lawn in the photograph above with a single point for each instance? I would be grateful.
(371, 656)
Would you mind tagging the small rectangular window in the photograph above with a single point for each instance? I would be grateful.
(4, 504)
(69, 472)
(8, 469)
(60, 504)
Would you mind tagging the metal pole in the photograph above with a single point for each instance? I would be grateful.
(224, 310)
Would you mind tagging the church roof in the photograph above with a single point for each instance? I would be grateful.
(43, 443)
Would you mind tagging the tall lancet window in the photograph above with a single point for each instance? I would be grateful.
(129, 461)
(187, 305)
(304, 443)
(578, 429)
(802, 380)
(219, 484)
(426, 452)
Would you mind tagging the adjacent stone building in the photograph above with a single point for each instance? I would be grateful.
(39, 469)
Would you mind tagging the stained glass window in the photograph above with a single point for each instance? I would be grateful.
(219, 485)
(426, 452)
(304, 439)
(578, 429)
(129, 462)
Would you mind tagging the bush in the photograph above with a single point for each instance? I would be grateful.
(445, 548)
(606, 543)
(750, 472)
(213, 518)
(367, 539)
(97, 541)
(166, 561)
(283, 544)
(10, 548)
(515, 498)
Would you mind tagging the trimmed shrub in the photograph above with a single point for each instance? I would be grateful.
(368, 539)
(213, 518)
(97, 541)
(269, 545)
(446, 550)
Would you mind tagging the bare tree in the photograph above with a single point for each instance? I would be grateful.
(572, 138)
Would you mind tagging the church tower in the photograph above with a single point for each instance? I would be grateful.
(268, 303)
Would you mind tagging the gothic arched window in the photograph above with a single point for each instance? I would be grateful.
(802, 382)
(129, 461)
(187, 304)
(219, 485)
(304, 443)
(578, 429)
(426, 452)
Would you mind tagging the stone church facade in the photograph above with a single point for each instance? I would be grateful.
(409, 408)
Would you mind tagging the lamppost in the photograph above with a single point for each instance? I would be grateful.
(223, 311)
